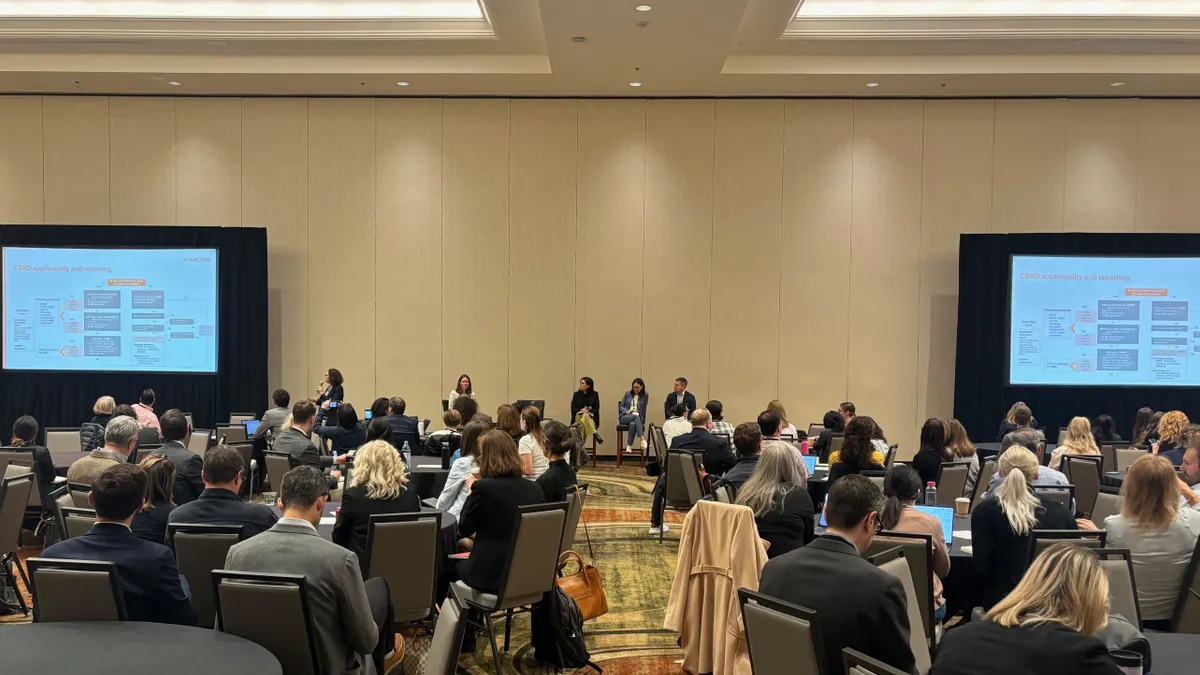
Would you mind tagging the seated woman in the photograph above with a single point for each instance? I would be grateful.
(783, 509)
(379, 430)
(508, 420)
(1141, 425)
(563, 446)
(532, 446)
(962, 450)
(454, 493)
(901, 490)
(1104, 431)
(453, 422)
(877, 456)
(24, 435)
(347, 434)
(1044, 627)
(461, 390)
(379, 408)
(1000, 524)
(585, 409)
(933, 451)
(833, 424)
(91, 434)
(1009, 423)
(786, 428)
(632, 413)
(1171, 437)
(858, 454)
(1159, 533)
(490, 512)
(378, 485)
(150, 522)
(1079, 441)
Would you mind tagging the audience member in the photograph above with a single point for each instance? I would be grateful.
(860, 606)
(1000, 525)
(300, 448)
(720, 426)
(858, 454)
(532, 447)
(380, 430)
(901, 489)
(585, 409)
(378, 409)
(150, 521)
(783, 509)
(834, 424)
(632, 413)
(1190, 468)
(1141, 426)
(677, 424)
(1024, 419)
(150, 583)
(461, 390)
(1104, 431)
(144, 409)
(1044, 627)
(348, 434)
(508, 420)
(1078, 441)
(124, 410)
(1026, 438)
(933, 451)
(1152, 428)
(404, 427)
(747, 438)
(786, 428)
(273, 418)
(1171, 436)
(467, 408)
(846, 411)
(219, 504)
(961, 449)
(769, 424)
(91, 434)
(189, 482)
(454, 493)
(878, 439)
(718, 458)
(562, 444)
(1159, 534)
(378, 485)
(24, 435)
(1010, 422)
(351, 618)
(450, 435)
(678, 395)
(120, 439)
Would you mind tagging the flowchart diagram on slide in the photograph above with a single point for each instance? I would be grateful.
(147, 310)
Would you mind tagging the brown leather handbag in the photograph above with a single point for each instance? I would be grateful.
(584, 586)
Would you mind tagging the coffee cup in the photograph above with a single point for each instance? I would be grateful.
(962, 506)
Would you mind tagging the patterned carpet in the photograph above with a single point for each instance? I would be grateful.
(637, 574)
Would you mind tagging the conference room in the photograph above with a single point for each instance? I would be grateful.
(687, 266)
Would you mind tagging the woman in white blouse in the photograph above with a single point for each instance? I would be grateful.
(463, 388)
(532, 447)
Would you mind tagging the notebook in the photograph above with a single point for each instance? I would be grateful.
(944, 514)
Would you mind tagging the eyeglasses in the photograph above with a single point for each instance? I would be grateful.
(878, 524)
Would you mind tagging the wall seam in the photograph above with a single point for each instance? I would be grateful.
(712, 251)
(779, 283)
(850, 248)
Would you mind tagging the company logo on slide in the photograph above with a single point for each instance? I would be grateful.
(197, 260)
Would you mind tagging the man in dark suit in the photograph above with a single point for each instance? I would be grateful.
(680, 395)
(150, 582)
(404, 427)
(189, 467)
(718, 458)
(296, 442)
(219, 503)
(857, 605)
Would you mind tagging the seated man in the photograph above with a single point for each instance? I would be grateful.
(150, 582)
(351, 618)
(718, 458)
(770, 424)
(274, 418)
(1029, 439)
(747, 438)
(858, 605)
(188, 465)
(1023, 417)
(297, 442)
(219, 503)
(677, 424)
(120, 439)
(404, 427)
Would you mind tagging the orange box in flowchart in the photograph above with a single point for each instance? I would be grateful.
(130, 282)
(1146, 292)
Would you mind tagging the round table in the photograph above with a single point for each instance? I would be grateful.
(1173, 653)
(130, 648)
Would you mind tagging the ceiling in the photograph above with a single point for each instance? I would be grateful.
(598, 47)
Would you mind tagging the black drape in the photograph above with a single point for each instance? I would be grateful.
(982, 395)
(66, 398)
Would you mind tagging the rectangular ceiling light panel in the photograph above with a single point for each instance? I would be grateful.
(254, 10)
(877, 9)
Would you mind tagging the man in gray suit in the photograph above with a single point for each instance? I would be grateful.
(351, 618)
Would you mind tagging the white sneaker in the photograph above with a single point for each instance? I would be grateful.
(663, 529)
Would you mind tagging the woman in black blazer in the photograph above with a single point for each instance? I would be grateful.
(490, 512)
(150, 522)
(834, 424)
(330, 390)
(1044, 627)
(585, 400)
(931, 454)
(378, 485)
(348, 434)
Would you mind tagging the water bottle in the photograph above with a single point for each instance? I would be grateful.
(931, 494)
(407, 453)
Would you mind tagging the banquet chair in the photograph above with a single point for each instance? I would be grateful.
(63, 439)
(236, 418)
(1108, 503)
(79, 494)
(200, 441)
(1040, 540)
(1108, 458)
(1084, 473)
(893, 562)
(448, 635)
(200, 549)
(858, 663)
(889, 458)
(981, 484)
(1126, 457)
(75, 590)
(622, 431)
(232, 433)
(1186, 617)
(1122, 587)
(781, 637)
(78, 521)
(60, 499)
(815, 429)
(402, 548)
(918, 550)
(683, 488)
(951, 482)
(576, 499)
(14, 495)
(278, 464)
(1063, 494)
(272, 611)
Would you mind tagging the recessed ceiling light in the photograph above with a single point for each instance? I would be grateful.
(578, 38)
(1117, 84)
(402, 83)
(635, 84)
(173, 83)
(643, 8)
(872, 84)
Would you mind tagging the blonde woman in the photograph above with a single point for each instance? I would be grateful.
(1171, 436)
(1001, 523)
(1079, 441)
(91, 434)
(378, 484)
(786, 428)
(1044, 627)
(783, 509)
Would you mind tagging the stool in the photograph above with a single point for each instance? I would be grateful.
(622, 430)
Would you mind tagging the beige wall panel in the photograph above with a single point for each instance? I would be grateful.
(210, 157)
(408, 252)
(678, 253)
(885, 254)
(475, 247)
(142, 160)
(818, 175)
(21, 159)
(75, 147)
(1168, 163)
(341, 236)
(274, 176)
(1027, 176)
(747, 230)
(1101, 166)
(608, 312)
(541, 254)
(956, 197)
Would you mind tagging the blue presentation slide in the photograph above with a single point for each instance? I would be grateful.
(142, 310)
(1098, 321)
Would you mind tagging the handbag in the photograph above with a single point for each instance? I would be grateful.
(584, 586)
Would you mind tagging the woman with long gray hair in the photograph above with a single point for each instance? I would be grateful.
(783, 509)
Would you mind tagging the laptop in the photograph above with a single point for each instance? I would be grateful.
(944, 514)
(810, 461)
(251, 427)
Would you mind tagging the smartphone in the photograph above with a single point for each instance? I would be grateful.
(334, 404)
(367, 415)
